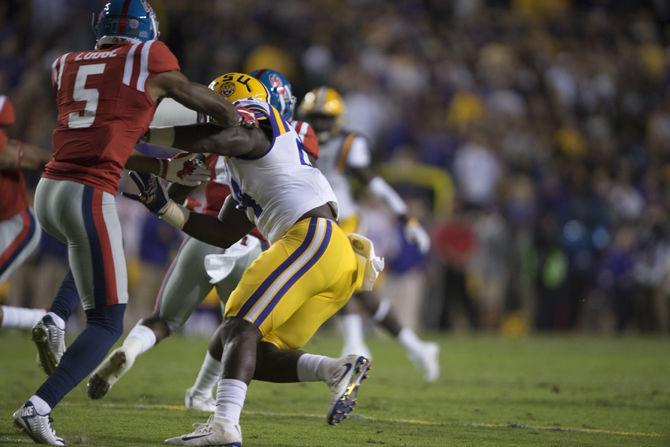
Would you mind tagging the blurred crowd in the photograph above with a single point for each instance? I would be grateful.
(532, 137)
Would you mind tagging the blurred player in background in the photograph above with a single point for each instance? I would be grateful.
(308, 273)
(19, 232)
(106, 98)
(187, 282)
(345, 154)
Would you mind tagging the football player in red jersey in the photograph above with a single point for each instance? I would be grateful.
(106, 99)
(19, 233)
(187, 282)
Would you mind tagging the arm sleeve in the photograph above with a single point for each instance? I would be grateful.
(170, 113)
(161, 58)
(359, 154)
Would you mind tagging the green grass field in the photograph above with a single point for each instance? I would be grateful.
(541, 391)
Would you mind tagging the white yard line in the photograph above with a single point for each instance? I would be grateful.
(387, 420)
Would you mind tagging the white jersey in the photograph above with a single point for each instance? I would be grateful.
(335, 156)
(281, 186)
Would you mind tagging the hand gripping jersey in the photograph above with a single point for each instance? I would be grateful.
(279, 187)
(103, 109)
(347, 149)
(13, 198)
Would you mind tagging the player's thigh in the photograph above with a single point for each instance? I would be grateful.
(49, 205)
(186, 283)
(91, 226)
(19, 237)
(225, 287)
(335, 274)
(299, 328)
(274, 286)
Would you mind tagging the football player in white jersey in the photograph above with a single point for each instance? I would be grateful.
(345, 154)
(309, 272)
(187, 282)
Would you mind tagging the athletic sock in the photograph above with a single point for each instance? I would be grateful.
(19, 317)
(315, 368)
(230, 400)
(58, 321)
(209, 374)
(40, 405)
(410, 341)
(139, 340)
(382, 311)
(352, 329)
(66, 300)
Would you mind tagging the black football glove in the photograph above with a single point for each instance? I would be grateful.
(152, 193)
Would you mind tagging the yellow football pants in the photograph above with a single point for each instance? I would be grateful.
(302, 280)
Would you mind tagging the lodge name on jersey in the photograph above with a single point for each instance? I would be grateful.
(92, 55)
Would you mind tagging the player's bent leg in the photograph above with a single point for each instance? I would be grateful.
(104, 326)
(199, 396)
(350, 323)
(48, 334)
(184, 287)
(19, 317)
(425, 355)
(240, 340)
(19, 237)
(87, 218)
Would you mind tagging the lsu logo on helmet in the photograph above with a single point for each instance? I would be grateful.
(237, 86)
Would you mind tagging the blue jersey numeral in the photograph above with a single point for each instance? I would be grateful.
(244, 200)
(302, 153)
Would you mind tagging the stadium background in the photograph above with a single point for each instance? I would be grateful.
(531, 137)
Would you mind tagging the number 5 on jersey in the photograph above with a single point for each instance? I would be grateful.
(85, 117)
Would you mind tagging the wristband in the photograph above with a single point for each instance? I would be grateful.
(161, 136)
(174, 214)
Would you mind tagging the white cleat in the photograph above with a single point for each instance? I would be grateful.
(356, 349)
(200, 402)
(428, 361)
(37, 426)
(49, 340)
(219, 432)
(108, 373)
(344, 382)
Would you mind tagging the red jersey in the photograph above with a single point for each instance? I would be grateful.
(13, 197)
(308, 137)
(103, 109)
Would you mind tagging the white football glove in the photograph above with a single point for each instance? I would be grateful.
(417, 236)
(185, 169)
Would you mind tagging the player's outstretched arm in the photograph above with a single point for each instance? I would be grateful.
(414, 232)
(195, 96)
(210, 138)
(20, 155)
(224, 231)
(186, 169)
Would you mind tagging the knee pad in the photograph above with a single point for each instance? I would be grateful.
(108, 317)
